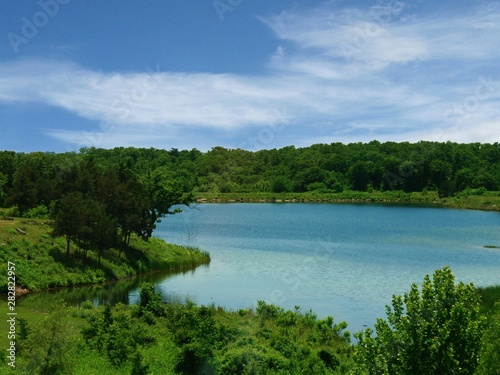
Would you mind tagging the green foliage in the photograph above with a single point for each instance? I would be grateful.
(50, 346)
(38, 212)
(150, 300)
(435, 331)
(118, 335)
(3, 193)
(139, 186)
(190, 339)
(490, 350)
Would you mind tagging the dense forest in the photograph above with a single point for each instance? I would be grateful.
(37, 179)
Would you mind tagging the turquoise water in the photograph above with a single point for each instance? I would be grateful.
(344, 260)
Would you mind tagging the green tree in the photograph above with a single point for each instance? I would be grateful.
(3, 183)
(280, 184)
(24, 192)
(360, 174)
(435, 331)
(162, 193)
(68, 219)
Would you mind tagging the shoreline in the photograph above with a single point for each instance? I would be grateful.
(482, 203)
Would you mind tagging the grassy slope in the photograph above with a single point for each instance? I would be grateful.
(41, 260)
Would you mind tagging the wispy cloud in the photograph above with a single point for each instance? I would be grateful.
(375, 73)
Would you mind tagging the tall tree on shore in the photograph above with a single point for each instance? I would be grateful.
(163, 196)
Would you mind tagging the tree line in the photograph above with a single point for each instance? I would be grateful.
(31, 180)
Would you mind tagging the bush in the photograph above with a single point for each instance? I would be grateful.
(150, 301)
(50, 346)
(437, 331)
(39, 212)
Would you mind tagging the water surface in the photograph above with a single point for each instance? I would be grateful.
(345, 260)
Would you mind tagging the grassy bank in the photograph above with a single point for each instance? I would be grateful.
(41, 263)
(486, 201)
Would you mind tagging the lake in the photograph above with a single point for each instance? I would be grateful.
(343, 260)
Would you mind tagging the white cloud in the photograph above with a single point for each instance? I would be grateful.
(377, 73)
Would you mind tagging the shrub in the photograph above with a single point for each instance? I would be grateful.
(150, 301)
(50, 347)
(39, 212)
(437, 331)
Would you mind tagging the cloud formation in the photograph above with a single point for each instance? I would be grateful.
(344, 74)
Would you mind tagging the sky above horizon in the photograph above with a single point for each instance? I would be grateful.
(249, 74)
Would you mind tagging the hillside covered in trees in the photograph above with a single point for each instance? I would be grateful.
(37, 180)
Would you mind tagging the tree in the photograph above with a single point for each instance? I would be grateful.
(68, 219)
(435, 331)
(3, 183)
(162, 192)
(360, 174)
(24, 191)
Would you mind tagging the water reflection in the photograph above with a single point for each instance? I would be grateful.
(124, 291)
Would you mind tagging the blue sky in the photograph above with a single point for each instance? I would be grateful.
(251, 74)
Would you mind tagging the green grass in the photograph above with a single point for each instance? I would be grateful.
(41, 262)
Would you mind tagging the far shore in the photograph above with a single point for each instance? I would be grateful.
(487, 202)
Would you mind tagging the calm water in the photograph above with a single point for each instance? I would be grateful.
(344, 260)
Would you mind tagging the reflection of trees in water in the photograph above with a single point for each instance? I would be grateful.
(125, 291)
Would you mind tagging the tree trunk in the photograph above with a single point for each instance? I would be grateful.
(68, 241)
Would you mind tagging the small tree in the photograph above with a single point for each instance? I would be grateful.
(436, 331)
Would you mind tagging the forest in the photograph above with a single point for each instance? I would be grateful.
(36, 180)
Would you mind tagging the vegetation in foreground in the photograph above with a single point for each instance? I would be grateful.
(41, 260)
(437, 329)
